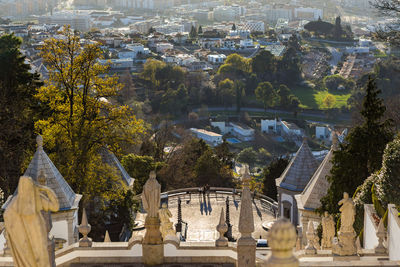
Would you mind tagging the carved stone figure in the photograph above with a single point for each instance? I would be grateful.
(311, 239)
(347, 236)
(151, 196)
(348, 213)
(153, 249)
(166, 224)
(26, 226)
(328, 231)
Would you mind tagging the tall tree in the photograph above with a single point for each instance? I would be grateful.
(266, 94)
(264, 65)
(273, 171)
(233, 27)
(226, 92)
(361, 152)
(239, 94)
(18, 111)
(83, 120)
(200, 30)
(337, 30)
(284, 94)
(193, 33)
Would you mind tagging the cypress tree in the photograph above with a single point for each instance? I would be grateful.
(361, 153)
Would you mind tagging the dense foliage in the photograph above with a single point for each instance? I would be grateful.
(361, 152)
(17, 114)
(273, 171)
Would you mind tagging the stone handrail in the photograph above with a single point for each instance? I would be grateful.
(270, 203)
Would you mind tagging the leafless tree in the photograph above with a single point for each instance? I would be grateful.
(389, 32)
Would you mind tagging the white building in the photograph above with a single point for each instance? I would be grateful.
(77, 20)
(269, 126)
(323, 132)
(242, 132)
(273, 14)
(308, 13)
(211, 138)
(216, 59)
(161, 47)
(290, 128)
(254, 26)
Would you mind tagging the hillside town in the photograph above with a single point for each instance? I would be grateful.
(199, 133)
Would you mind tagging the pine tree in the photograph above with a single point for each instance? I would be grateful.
(270, 173)
(234, 27)
(200, 30)
(361, 152)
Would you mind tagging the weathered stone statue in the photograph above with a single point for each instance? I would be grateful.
(166, 225)
(347, 236)
(153, 249)
(151, 196)
(26, 226)
(328, 231)
(311, 240)
(348, 213)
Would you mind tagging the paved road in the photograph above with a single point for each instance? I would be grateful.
(336, 57)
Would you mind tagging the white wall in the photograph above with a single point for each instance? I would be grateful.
(370, 238)
(393, 233)
(60, 230)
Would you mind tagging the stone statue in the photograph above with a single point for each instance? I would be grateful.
(348, 212)
(166, 225)
(152, 245)
(328, 231)
(151, 196)
(26, 227)
(347, 236)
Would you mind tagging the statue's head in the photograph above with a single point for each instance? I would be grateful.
(326, 214)
(164, 205)
(345, 195)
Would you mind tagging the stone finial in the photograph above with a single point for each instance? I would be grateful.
(42, 179)
(310, 234)
(222, 228)
(246, 177)
(282, 239)
(84, 228)
(381, 234)
(246, 245)
(39, 142)
(107, 237)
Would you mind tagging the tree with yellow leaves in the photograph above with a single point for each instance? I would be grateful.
(83, 118)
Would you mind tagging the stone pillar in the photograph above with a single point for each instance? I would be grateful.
(282, 239)
(84, 229)
(222, 227)
(246, 245)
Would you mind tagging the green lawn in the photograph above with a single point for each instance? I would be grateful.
(310, 98)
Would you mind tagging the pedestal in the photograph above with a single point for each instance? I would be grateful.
(153, 248)
(153, 254)
(246, 250)
(346, 245)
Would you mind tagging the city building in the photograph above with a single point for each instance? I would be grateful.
(216, 59)
(308, 13)
(211, 138)
(78, 20)
(254, 26)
